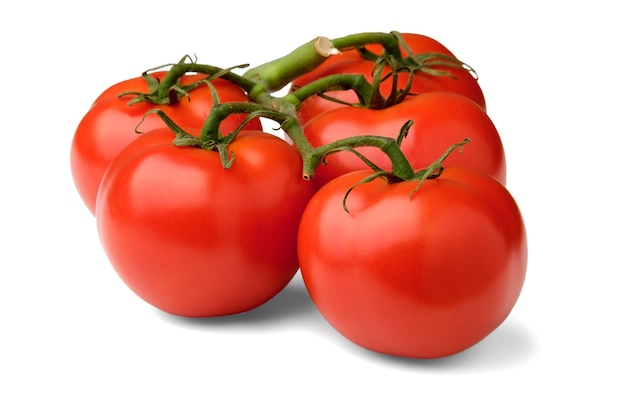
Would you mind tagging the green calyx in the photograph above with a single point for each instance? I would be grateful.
(433, 171)
(396, 58)
(170, 91)
(202, 141)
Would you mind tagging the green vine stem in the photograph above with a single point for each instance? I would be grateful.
(401, 167)
(169, 90)
(389, 41)
(260, 82)
(274, 75)
(311, 157)
(180, 69)
(354, 82)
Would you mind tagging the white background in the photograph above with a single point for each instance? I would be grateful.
(76, 342)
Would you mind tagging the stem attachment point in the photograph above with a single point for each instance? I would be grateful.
(324, 46)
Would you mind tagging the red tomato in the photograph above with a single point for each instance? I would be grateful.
(461, 82)
(110, 124)
(195, 239)
(424, 276)
(440, 120)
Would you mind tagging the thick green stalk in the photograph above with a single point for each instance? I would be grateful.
(387, 40)
(276, 74)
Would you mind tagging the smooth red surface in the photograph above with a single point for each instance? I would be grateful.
(195, 239)
(425, 277)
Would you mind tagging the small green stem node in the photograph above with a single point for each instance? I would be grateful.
(435, 169)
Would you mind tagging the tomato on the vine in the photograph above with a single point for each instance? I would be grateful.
(440, 119)
(201, 216)
(420, 273)
(456, 79)
(110, 124)
(195, 239)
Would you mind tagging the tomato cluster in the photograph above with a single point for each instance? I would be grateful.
(395, 211)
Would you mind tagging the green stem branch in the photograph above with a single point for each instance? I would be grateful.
(178, 70)
(276, 74)
(401, 167)
(387, 40)
(357, 83)
(260, 82)
(311, 157)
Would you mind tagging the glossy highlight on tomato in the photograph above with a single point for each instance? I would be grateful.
(195, 239)
(422, 274)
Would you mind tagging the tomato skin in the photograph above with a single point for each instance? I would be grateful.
(461, 81)
(195, 239)
(109, 126)
(422, 277)
(440, 120)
